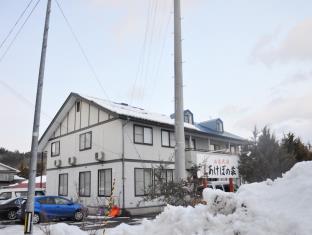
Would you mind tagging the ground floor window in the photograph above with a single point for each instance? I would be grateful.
(85, 184)
(105, 182)
(142, 180)
(163, 175)
(63, 185)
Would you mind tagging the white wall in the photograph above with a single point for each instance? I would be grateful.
(105, 138)
(153, 152)
(130, 198)
(73, 181)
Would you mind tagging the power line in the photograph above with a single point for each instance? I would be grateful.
(147, 70)
(157, 64)
(16, 23)
(81, 48)
(19, 30)
(142, 55)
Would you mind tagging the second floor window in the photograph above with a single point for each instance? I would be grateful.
(143, 135)
(55, 149)
(85, 141)
(167, 138)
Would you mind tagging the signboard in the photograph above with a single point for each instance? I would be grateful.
(217, 165)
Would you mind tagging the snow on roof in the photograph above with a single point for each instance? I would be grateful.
(16, 177)
(128, 110)
(38, 179)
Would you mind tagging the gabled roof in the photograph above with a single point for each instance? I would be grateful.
(136, 112)
(125, 111)
(8, 168)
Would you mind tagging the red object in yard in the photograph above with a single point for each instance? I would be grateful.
(231, 185)
(205, 183)
(114, 212)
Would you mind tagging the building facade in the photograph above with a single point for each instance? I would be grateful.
(96, 148)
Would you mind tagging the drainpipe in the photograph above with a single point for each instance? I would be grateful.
(123, 165)
(191, 143)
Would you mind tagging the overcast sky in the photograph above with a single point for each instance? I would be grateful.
(247, 62)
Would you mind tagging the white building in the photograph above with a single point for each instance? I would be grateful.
(92, 143)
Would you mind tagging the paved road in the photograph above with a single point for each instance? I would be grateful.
(91, 222)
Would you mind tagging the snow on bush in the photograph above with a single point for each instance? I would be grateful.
(276, 207)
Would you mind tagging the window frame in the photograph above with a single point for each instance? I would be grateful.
(111, 182)
(135, 183)
(219, 126)
(89, 185)
(59, 149)
(144, 143)
(169, 135)
(85, 134)
(78, 106)
(63, 174)
(166, 176)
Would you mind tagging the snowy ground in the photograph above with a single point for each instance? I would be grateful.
(91, 225)
(275, 207)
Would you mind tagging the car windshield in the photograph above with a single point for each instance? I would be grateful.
(5, 195)
(3, 202)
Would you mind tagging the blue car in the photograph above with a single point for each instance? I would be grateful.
(55, 207)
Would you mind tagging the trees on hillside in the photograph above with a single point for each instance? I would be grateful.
(20, 161)
(265, 157)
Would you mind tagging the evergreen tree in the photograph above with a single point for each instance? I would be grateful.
(265, 158)
(295, 146)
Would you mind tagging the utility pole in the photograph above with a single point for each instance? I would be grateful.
(34, 144)
(178, 96)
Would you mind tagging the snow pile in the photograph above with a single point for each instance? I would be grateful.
(275, 207)
(54, 229)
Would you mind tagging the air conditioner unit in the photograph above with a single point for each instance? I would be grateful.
(58, 163)
(100, 156)
(72, 161)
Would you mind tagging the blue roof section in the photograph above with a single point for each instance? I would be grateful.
(223, 134)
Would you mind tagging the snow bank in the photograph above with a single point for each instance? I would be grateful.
(275, 207)
(55, 229)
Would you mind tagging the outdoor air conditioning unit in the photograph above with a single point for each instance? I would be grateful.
(100, 156)
(72, 161)
(58, 163)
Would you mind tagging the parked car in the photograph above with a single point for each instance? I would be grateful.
(9, 208)
(55, 208)
(224, 186)
(221, 185)
(10, 193)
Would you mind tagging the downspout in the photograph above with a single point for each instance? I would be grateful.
(123, 166)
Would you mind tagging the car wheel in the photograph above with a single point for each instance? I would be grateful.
(78, 216)
(12, 215)
(36, 218)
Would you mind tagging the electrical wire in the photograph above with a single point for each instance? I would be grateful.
(15, 24)
(18, 32)
(149, 52)
(84, 54)
(142, 55)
